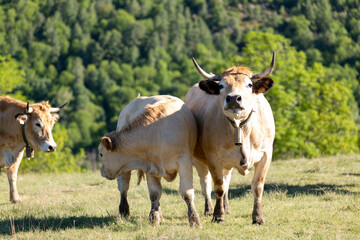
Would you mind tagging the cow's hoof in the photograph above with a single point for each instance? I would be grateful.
(227, 212)
(208, 212)
(16, 200)
(155, 218)
(124, 210)
(194, 220)
(218, 219)
(258, 221)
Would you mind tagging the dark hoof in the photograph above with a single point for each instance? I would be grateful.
(218, 219)
(258, 221)
(124, 210)
(208, 212)
(17, 200)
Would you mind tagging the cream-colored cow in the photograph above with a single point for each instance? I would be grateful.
(23, 126)
(236, 130)
(156, 135)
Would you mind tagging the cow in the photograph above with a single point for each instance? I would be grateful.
(235, 130)
(156, 136)
(24, 126)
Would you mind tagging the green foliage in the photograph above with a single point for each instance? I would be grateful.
(99, 55)
(311, 104)
(10, 74)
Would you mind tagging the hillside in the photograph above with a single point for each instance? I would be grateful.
(100, 54)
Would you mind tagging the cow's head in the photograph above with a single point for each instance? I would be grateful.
(237, 88)
(113, 160)
(38, 121)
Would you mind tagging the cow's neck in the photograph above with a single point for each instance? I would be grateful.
(29, 150)
(240, 136)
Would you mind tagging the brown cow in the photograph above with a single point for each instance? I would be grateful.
(23, 126)
(156, 135)
(227, 107)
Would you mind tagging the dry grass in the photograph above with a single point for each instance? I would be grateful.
(304, 199)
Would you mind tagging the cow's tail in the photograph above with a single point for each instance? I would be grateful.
(140, 175)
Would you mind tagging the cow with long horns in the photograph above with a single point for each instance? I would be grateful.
(235, 130)
(24, 126)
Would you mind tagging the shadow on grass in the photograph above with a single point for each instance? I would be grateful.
(170, 191)
(28, 224)
(293, 190)
(351, 174)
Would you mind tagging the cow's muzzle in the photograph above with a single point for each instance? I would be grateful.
(233, 101)
(105, 174)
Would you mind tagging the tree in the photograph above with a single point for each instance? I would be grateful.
(312, 109)
(10, 75)
(299, 32)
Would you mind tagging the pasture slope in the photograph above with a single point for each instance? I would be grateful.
(303, 199)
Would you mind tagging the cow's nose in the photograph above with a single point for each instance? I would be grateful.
(233, 98)
(52, 148)
(233, 101)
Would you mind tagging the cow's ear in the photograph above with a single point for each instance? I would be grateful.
(21, 118)
(262, 85)
(55, 117)
(210, 87)
(106, 141)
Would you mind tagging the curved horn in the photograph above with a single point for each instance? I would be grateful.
(206, 75)
(267, 72)
(58, 108)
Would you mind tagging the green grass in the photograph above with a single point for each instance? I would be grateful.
(303, 199)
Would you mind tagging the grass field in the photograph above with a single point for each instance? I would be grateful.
(303, 199)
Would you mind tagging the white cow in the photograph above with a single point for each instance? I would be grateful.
(227, 107)
(156, 135)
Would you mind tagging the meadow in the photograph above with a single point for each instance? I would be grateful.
(303, 199)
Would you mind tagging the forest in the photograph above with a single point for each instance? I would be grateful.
(100, 54)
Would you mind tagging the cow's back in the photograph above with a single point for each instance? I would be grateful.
(164, 120)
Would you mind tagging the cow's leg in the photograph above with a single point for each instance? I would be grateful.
(257, 187)
(205, 181)
(187, 192)
(227, 177)
(219, 187)
(123, 186)
(12, 172)
(154, 186)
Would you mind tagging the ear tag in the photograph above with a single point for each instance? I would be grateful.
(29, 152)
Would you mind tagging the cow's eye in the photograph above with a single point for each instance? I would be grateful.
(101, 155)
(38, 125)
(250, 85)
